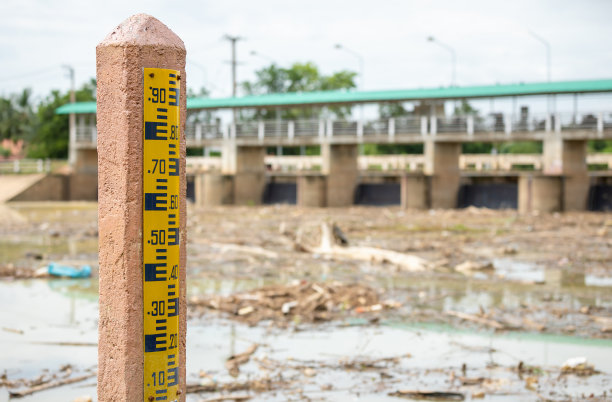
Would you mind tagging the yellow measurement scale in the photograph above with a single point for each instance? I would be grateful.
(161, 234)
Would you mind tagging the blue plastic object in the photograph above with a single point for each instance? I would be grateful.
(68, 271)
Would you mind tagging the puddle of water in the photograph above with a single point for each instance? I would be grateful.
(518, 271)
(66, 311)
(592, 280)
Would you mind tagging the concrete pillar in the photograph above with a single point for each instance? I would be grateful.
(311, 191)
(414, 192)
(214, 189)
(140, 41)
(568, 158)
(442, 164)
(341, 168)
(247, 165)
(539, 193)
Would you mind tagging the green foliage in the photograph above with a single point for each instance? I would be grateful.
(521, 147)
(389, 110)
(50, 137)
(5, 152)
(199, 116)
(464, 108)
(392, 149)
(16, 116)
(476, 147)
(604, 146)
(300, 77)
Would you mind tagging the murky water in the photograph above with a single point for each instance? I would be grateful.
(45, 324)
(57, 325)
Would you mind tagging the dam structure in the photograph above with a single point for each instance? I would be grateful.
(558, 179)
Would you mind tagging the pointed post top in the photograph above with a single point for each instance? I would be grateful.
(142, 29)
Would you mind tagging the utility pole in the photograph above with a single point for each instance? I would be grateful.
(233, 40)
(71, 120)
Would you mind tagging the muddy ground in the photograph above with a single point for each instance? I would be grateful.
(497, 306)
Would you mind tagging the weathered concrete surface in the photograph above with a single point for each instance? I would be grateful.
(539, 193)
(568, 158)
(311, 191)
(14, 186)
(86, 161)
(442, 164)
(340, 166)
(140, 41)
(83, 187)
(247, 165)
(414, 191)
(214, 189)
(50, 187)
(576, 181)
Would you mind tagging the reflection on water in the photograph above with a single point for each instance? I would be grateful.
(40, 314)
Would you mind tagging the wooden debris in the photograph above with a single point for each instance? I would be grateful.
(304, 301)
(260, 385)
(229, 398)
(234, 362)
(48, 385)
(429, 395)
(477, 319)
(230, 247)
(330, 247)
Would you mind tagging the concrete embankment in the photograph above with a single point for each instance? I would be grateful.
(48, 187)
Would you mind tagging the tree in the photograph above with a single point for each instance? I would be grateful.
(50, 137)
(16, 116)
(392, 109)
(300, 77)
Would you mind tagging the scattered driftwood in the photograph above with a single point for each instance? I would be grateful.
(234, 362)
(260, 385)
(302, 302)
(228, 398)
(336, 246)
(48, 385)
(429, 395)
(230, 247)
(477, 319)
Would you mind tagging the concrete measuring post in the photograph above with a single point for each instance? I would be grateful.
(141, 113)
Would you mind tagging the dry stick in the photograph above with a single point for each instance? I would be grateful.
(229, 398)
(51, 384)
(233, 362)
(260, 251)
(477, 319)
(406, 262)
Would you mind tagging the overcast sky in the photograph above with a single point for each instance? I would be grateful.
(491, 39)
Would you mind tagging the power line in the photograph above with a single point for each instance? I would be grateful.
(30, 74)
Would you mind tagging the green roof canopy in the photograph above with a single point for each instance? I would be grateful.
(348, 97)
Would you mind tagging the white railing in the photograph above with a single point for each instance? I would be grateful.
(25, 166)
(391, 163)
(86, 134)
(423, 126)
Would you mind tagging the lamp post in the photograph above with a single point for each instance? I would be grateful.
(359, 58)
(71, 120)
(453, 57)
(361, 71)
(547, 45)
(279, 148)
(550, 101)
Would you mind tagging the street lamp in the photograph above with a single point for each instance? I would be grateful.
(453, 57)
(547, 45)
(359, 58)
